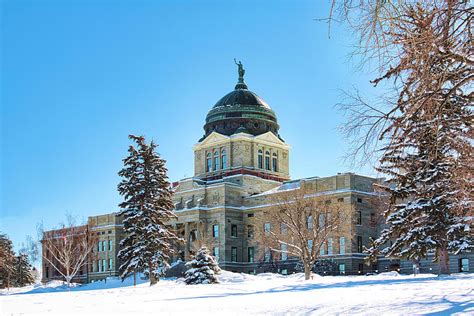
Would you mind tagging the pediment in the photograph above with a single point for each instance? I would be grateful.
(212, 138)
(269, 137)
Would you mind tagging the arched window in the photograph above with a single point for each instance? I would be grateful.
(309, 224)
(267, 160)
(275, 162)
(223, 159)
(260, 159)
(208, 162)
(216, 160)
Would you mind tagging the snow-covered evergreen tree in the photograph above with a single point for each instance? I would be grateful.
(7, 261)
(147, 208)
(23, 271)
(202, 269)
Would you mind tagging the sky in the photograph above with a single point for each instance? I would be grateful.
(77, 77)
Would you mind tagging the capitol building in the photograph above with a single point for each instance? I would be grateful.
(241, 161)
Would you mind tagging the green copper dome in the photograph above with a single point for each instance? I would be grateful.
(241, 111)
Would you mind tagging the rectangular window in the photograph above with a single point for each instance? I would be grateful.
(98, 265)
(267, 255)
(359, 217)
(250, 232)
(215, 231)
(104, 265)
(260, 161)
(216, 163)
(99, 246)
(266, 228)
(111, 264)
(321, 250)
(208, 164)
(329, 246)
(250, 253)
(284, 253)
(250, 215)
(359, 200)
(267, 162)
(342, 245)
(233, 230)
(309, 224)
(464, 265)
(274, 164)
(110, 245)
(342, 268)
(233, 254)
(215, 253)
(47, 272)
(104, 245)
(310, 245)
(359, 244)
(321, 221)
(283, 229)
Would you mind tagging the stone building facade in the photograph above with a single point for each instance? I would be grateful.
(239, 164)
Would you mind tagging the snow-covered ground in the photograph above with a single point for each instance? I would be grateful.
(387, 293)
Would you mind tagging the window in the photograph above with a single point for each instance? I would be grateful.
(193, 235)
(284, 271)
(111, 263)
(104, 265)
(284, 253)
(216, 160)
(342, 268)
(283, 229)
(250, 215)
(215, 231)
(359, 217)
(267, 160)
(233, 254)
(464, 265)
(321, 221)
(310, 245)
(250, 231)
(321, 250)
(250, 253)
(233, 230)
(309, 223)
(329, 246)
(47, 272)
(267, 254)
(275, 162)
(208, 162)
(99, 246)
(359, 200)
(342, 245)
(266, 228)
(110, 245)
(215, 253)
(223, 159)
(104, 245)
(98, 265)
(359, 244)
(361, 268)
(260, 159)
(340, 199)
(373, 221)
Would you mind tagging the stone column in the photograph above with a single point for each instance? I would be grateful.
(186, 241)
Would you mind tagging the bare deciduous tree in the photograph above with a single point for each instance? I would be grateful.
(68, 248)
(300, 222)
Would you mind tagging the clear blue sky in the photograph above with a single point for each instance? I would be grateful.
(79, 76)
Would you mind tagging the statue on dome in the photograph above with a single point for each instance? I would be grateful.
(241, 70)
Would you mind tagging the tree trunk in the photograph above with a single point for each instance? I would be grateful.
(443, 258)
(307, 271)
(153, 279)
(134, 278)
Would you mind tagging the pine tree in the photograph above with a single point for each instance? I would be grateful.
(202, 269)
(7, 261)
(148, 206)
(23, 271)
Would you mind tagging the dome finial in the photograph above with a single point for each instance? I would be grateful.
(240, 84)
